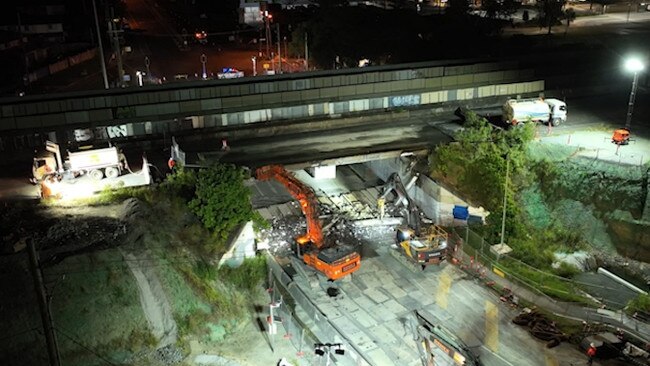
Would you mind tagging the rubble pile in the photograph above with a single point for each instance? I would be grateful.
(87, 231)
(338, 214)
(169, 355)
(282, 234)
(540, 327)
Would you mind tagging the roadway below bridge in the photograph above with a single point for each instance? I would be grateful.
(375, 305)
(316, 140)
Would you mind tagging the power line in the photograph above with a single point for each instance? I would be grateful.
(83, 346)
(19, 334)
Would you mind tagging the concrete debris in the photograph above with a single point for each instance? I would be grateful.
(540, 327)
(386, 221)
(169, 355)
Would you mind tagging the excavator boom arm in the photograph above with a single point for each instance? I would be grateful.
(303, 194)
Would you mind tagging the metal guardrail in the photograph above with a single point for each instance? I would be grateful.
(476, 261)
(306, 325)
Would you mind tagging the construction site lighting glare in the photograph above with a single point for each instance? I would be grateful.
(634, 65)
(76, 191)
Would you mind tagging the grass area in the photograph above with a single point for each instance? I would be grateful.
(95, 292)
(640, 304)
(548, 283)
(550, 152)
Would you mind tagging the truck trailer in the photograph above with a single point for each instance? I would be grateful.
(547, 111)
(97, 163)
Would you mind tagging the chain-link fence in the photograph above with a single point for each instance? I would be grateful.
(472, 253)
(299, 321)
(541, 283)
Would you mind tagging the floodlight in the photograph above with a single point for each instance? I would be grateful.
(634, 65)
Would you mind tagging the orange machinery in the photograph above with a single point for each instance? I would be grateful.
(621, 136)
(334, 261)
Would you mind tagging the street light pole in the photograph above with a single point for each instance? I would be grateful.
(267, 19)
(101, 47)
(630, 104)
(635, 65)
(505, 200)
(277, 27)
(204, 59)
(147, 62)
(114, 31)
(306, 53)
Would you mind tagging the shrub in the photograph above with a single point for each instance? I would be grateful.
(247, 276)
(181, 183)
(641, 303)
(566, 270)
(221, 200)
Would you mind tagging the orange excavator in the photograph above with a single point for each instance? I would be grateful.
(334, 261)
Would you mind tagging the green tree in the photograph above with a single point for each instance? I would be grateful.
(222, 201)
(475, 163)
(499, 8)
(570, 16)
(550, 13)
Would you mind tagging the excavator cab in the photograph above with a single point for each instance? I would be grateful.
(334, 262)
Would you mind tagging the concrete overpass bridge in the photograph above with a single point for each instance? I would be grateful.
(228, 104)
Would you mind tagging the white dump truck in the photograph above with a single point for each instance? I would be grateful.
(97, 163)
(548, 111)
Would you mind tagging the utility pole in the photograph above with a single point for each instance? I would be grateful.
(101, 47)
(306, 53)
(22, 44)
(147, 62)
(286, 53)
(505, 200)
(267, 19)
(277, 28)
(43, 304)
(112, 29)
(630, 104)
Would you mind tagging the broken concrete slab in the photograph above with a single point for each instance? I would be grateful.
(363, 318)
(376, 295)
